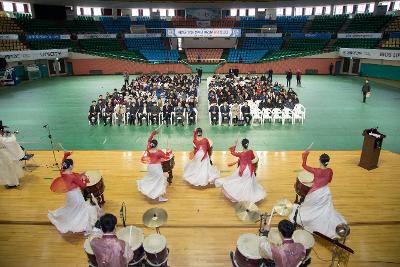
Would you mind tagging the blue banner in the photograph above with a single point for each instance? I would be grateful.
(311, 35)
(37, 37)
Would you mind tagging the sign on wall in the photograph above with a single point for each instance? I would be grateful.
(377, 35)
(253, 34)
(370, 53)
(206, 32)
(8, 36)
(97, 36)
(12, 56)
(142, 35)
(33, 37)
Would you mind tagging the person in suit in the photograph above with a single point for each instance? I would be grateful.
(289, 76)
(108, 114)
(224, 109)
(289, 254)
(133, 110)
(331, 69)
(270, 72)
(298, 77)
(155, 112)
(143, 114)
(246, 113)
(214, 112)
(179, 110)
(235, 111)
(365, 90)
(94, 111)
(167, 111)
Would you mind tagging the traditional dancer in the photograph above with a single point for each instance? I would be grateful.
(10, 166)
(317, 212)
(242, 185)
(199, 171)
(154, 184)
(77, 215)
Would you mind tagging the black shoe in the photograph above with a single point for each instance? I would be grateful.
(11, 186)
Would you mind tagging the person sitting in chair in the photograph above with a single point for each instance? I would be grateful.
(108, 114)
(246, 113)
(214, 112)
(179, 114)
(155, 112)
(142, 114)
(191, 113)
(225, 112)
(94, 112)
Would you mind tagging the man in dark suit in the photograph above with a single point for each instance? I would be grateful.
(214, 112)
(365, 90)
(246, 113)
(94, 111)
(224, 109)
(289, 76)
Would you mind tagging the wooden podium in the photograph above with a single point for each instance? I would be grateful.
(371, 148)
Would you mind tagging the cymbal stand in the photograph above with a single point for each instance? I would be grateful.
(262, 231)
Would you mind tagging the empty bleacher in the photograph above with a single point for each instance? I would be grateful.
(40, 25)
(8, 25)
(394, 25)
(161, 56)
(356, 43)
(331, 24)
(153, 25)
(245, 56)
(306, 44)
(253, 25)
(50, 44)
(281, 55)
(270, 43)
(103, 44)
(224, 23)
(180, 22)
(393, 42)
(367, 23)
(11, 45)
(291, 24)
(203, 55)
(118, 25)
(144, 43)
(82, 24)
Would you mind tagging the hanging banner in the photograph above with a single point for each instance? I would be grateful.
(270, 35)
(367, 35)
(34, 37)
(311, 35)
(142, 35)
(12, 56)
(8, 36)
(370, 53)
(206, 32)
(97, 36)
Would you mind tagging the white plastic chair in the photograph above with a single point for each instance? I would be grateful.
(296, 115)
(276, 115)
(257, 116)
(300, 109)
(287, 115)
(267, 115)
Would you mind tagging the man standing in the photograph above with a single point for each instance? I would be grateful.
(331, 69)
(289, 75)
(366, 89)
(126, 78)
(109, 250)
(199, 73)
(270, 72)
(298, 77)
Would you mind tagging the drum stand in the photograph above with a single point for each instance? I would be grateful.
(262, 231)
(52, 145)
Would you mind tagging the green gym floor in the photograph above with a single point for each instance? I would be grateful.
(335, 117)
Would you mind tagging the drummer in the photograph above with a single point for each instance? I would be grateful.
(154, 184)
(290, 254)
(108, 249)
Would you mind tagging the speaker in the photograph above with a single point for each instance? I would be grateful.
(3, 63)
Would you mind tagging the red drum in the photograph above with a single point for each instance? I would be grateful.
(247, 253)
(304, 183)
(133, 237)
(155, 247)
(168, 166)
(95, 186)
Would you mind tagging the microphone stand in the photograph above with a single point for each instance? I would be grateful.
(52, 145)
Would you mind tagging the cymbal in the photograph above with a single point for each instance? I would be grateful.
(283, 207)
(247, 211)
(154, 217)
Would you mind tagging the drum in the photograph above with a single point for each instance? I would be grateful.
(247, 253)
(89, 251)
(155, 247)
(95, 186)
(274, 237)
(305, 238)
(304, 183)
(168, 166)
(133, 237)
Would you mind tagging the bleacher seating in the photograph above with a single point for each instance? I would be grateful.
(153, 25)
(144, 43)
(203, 55)
(291, 24)
(285, 54)
(104, 44)
(50, 44)
(161, 56)
(11, 45)
(356, 43)
(40, 25)
(120, 24)
(272, 44)
(392, 43)
(253, 25)
(124, 55)
(394, 25)
(367, 23)
(82, 24)
(306, 44)
(8, 25)
(331, 24)
(224, 23)
(245, 56)
(180, 22)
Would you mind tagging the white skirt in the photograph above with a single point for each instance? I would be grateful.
(317, 213)
(10, 169)
(154, 184)
(241, 188)
(77, 215)
(200, 172)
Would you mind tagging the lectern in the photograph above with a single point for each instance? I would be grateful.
(371, 148)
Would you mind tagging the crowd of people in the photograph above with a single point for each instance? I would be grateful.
(149, 99)
(229, 96)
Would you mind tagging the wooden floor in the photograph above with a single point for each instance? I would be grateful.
(202, 227)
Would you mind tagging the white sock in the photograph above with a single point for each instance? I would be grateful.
(162, 199)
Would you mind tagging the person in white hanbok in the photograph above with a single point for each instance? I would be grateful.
(242, 185)
(199, 171)
(154, 184)
(77, 215)
(10, 155)
(316, 212)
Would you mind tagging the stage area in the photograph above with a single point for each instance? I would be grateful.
(335, 117)
(202, 227)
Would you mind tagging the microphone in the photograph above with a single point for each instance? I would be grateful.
(45, 126)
